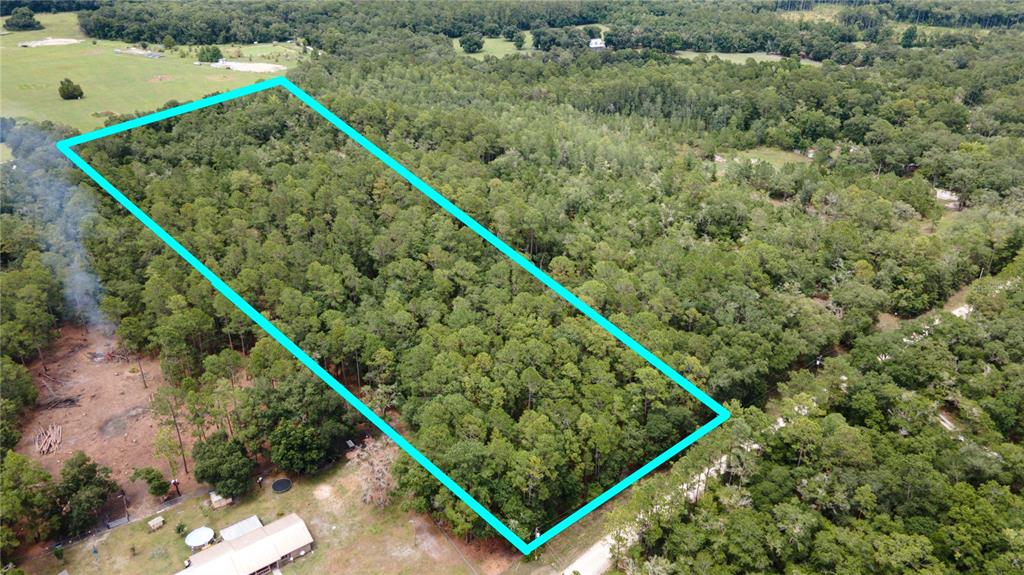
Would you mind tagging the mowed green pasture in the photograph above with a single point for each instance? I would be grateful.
(113, 83)
(497, 47)
(820, 13)
(739, 57)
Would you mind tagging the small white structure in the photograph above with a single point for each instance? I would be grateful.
(156, 523)
(216, 501)
(247, 525)
(596, 44)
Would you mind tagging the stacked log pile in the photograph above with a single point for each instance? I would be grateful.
(48, 440)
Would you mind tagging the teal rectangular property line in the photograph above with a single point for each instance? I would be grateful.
(722, 414)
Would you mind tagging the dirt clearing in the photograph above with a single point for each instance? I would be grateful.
(96, 397)
(49, 42)
(248, 66)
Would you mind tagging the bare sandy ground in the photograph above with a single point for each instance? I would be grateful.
(248, 66)
(49, 42)
(112, 422)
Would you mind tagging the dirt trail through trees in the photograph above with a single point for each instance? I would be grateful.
(597, 559)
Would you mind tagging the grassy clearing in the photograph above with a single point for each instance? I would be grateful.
(977, 32)
(351, 537)
(887, 322)
(740, 57)
(113, 83)
(774, 156)
(820, 13)
(497, 47)
(5, 153)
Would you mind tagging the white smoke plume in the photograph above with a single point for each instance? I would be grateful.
(36, 184)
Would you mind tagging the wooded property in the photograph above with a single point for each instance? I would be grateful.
(812, 210)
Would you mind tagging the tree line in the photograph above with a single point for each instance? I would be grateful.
(424, 320)
(859, 474)
(601, 168)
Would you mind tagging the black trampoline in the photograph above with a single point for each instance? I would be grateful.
(281, 485)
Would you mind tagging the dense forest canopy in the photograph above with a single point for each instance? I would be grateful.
(613, 171)
(858, 474)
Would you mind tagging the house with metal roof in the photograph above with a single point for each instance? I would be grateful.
(248, 549)
(243, 527)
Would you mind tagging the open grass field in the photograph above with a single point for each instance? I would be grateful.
(113, 83)
(740, 57)
(820, 13)
(5, 153)
(350, 537)
(977, 32)
(498, 47)
(830, 13)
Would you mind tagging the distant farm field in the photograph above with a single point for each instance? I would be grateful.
(820, 13)
(740, 57)
(498, 47)
(113, 83)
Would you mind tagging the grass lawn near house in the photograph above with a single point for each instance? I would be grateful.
(350, 536)
(113, 83)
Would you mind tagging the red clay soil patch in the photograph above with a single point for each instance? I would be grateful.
(492, 556)
(111, 423)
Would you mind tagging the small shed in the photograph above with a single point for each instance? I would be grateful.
(216, 501)
(596, 44)
(156, 523)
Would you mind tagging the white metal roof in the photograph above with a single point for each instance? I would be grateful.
(244, 526)
(253, 550)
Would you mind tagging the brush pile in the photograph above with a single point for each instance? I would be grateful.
(48, 440)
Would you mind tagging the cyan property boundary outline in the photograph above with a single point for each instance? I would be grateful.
(722, 414)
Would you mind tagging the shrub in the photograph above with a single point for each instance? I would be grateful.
(209, 54)
(158, 486)
(472, 42)
(22, 19)
(69, 90)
